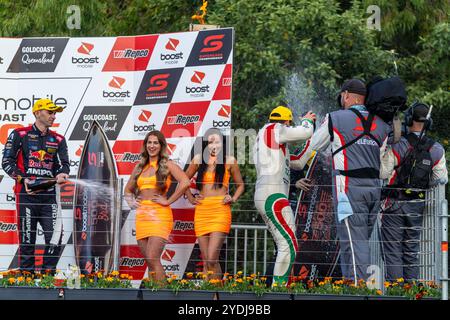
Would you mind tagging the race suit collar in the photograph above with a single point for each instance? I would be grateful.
(35, 128)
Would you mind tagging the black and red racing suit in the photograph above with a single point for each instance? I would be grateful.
(29, 153)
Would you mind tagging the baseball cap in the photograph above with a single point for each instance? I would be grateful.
(420, 112)
(354, 86)
(281, 113)
(46, 104)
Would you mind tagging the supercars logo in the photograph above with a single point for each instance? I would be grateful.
(198, 77)
(172, 44)
(158, 82)
(158, 86)
(168, 255)
(213, 43)
(224, 111)
(145, 116)
(85, 48)
(116, 82)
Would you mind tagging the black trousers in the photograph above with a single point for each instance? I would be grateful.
(400, 235)
(34, 209)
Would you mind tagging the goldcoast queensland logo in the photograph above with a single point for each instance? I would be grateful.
(38, 55)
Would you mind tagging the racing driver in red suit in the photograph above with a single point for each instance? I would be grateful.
(37, 152)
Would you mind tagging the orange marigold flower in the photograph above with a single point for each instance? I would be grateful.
(20, 279)
(379, 292)
(321, 283)
(130, 278)
(387, 284)
(11, 280)
(189, 275)
(400, 280)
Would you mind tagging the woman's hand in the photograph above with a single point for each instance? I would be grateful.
(228, 199)
(196, 199)
(132, 202)
(161, 200)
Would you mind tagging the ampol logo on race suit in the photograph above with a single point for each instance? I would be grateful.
(131, 53)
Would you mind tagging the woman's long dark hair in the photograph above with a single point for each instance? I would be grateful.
(163, 171)
(221, 160)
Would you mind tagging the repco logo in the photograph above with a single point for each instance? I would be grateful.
(7, 227)
(86, 62)
(197, 77)
(213, 43)
(132, 262)
(116, 83)
(172, 46)
(144, 117)
(158, 82)
(128, 157)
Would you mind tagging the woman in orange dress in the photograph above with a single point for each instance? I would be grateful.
(146, 191)
(212, 220)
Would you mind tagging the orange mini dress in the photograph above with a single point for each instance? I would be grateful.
(152, 219)
(211, 214)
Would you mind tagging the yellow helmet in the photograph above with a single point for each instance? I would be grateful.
(281, 113)
(46, 104)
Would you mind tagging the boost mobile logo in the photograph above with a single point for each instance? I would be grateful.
(144, 117)
(85, 49)
(115, 96)
(197, 77)
(170, 57)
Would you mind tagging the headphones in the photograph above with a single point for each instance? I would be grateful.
(409, 115)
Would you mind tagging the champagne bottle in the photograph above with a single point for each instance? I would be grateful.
(39, 184)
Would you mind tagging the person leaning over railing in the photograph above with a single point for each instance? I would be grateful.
(412, 165)
(147, 192)
(212, 219)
